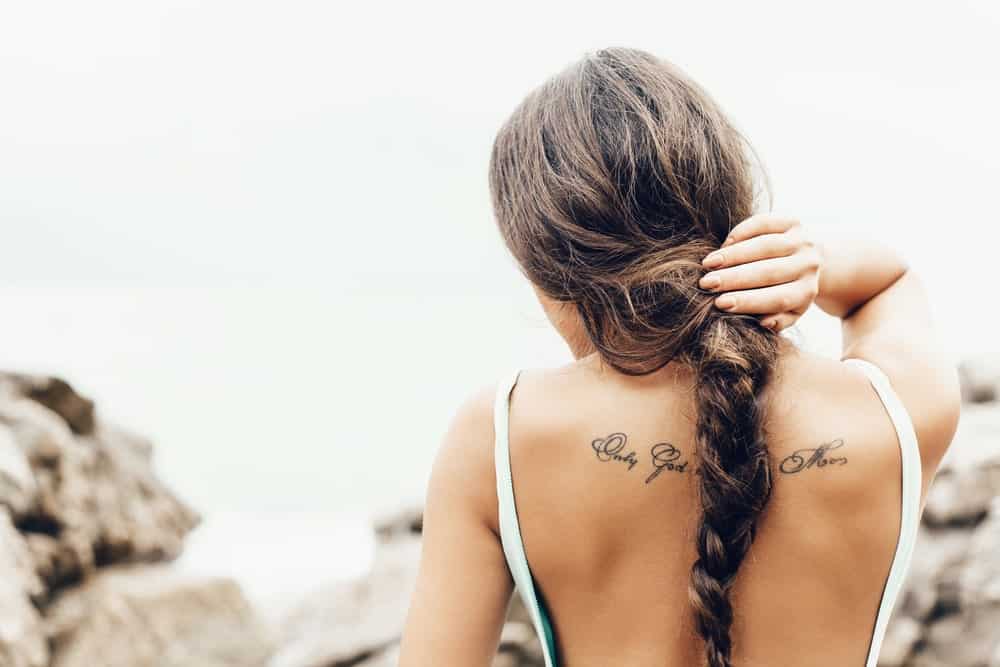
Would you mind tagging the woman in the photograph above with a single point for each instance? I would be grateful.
(692, 489)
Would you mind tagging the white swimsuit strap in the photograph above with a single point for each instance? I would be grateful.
(510, 531)
(910, 515)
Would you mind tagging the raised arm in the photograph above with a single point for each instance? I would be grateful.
(768, 266)
(886, 319)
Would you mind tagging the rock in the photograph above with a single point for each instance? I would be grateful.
(900, 640)
(18, 489)
(152, 616)
(950, 609)
(76, 495)
(519, 646)
(962, 495)
(940, 555)
(55, 394)
(402, 522)
(348, 622)
(961, 566)
(92, 497)
(959, 640)
(22, 635)
(979, 582)
(979, 380)
(387, 658)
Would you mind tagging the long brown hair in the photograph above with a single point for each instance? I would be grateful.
(610, 183)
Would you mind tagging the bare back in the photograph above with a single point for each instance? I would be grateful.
(603, 471)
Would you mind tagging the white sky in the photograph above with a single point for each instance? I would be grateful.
(225, 142)
(231, 222)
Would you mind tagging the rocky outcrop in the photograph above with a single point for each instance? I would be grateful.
(949, 613)
(348, 622)
(980, 380)
(83, 519)
(359, 623)
(130, 615)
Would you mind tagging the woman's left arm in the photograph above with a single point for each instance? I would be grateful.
(463, 586)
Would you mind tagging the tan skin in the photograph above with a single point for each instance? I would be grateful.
(612, 555)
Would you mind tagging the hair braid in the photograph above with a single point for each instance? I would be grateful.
(734, 363)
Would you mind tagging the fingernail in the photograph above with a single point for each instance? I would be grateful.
(713, 260)
(725, 302)
(710, 281)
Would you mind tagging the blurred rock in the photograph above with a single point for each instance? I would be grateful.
(900, 640)
(55, 394)
(949, 614)
(78, 495)
(22, 636)
(90, 499)
(519, 646)
(150, 616)
(980, 380)
(403, 522)
(344, 623)
(962, 495)
(387, 658)
(939, 555)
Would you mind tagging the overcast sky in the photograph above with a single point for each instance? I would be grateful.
(230, 142)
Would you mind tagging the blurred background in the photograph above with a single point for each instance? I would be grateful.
(260, 233)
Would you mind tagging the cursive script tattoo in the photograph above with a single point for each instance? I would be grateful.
(611, 448)
(665, 457)
(810, 457)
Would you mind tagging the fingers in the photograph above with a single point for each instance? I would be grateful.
(762, 273)
(781, 321)
(751, 250)
(755, 225)
(790, 297)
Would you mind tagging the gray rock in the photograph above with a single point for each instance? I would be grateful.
(979, 582)
(76, 495)
(18, 490)
(349, 622)
(399, 523)
(152, 616)
(55, 394)
(22, 635)
(92, 497)
(939, 556)
(386, 658)
(959, 570)
(962, 495)
(958, 640)
(900, 639)
(519, 646)
(979, 380)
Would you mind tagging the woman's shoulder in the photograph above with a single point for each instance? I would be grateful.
(828, 429)
(464, 464)
(840, 396)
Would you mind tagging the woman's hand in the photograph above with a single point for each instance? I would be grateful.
(767, 267)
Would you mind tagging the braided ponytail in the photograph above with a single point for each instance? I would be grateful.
(610, 183)
(733, 364)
